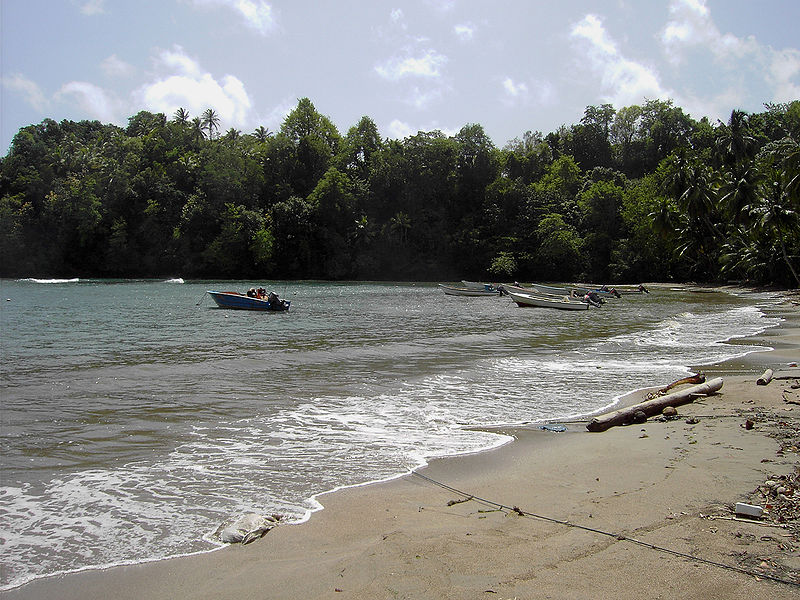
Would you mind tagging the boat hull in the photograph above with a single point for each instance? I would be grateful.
(563, 303)
(238, 301)
(463, 291)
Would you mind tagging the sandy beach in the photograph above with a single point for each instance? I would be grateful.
(638, 511)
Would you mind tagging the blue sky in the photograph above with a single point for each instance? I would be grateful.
(510, 65)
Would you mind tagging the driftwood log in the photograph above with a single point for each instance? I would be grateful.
(765, 378)
(693, 379)
(625, 416)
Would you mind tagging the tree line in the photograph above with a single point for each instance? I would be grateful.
(640, 193)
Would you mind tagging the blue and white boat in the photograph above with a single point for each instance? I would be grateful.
(246, 302)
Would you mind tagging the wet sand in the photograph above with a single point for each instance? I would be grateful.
(641, 511)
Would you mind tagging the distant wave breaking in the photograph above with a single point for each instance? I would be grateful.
(34, 280)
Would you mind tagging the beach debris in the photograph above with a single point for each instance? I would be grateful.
(749, 510)
(553, 428)
(460, 501)
(765, 378)
(748, 424)
(692, 421)
(786, 398)
(654, 406)
(246, 528)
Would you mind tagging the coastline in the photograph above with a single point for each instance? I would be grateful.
(652, 482)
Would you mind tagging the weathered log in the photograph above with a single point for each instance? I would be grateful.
(765, 378)
(624, 416)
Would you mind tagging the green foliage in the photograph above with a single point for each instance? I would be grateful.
(630, 194)
(559, 256)
(504, 265)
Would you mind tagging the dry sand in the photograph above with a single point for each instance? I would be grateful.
(640, 501)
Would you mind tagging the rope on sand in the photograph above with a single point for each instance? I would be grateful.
(606, 533)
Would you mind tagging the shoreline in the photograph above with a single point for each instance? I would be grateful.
(311, 559)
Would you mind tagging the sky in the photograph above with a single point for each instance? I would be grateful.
(509, 65)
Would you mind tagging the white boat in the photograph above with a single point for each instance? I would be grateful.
(451, 290)
(545, 290)
(562, 303)
(477, 285)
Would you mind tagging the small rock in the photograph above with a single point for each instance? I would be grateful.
(669, 411)
(692, 421)
(639, 416)
(748, 424)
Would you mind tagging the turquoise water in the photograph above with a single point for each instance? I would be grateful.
(137, 417)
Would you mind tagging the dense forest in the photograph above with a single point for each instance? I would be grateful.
(640, 193)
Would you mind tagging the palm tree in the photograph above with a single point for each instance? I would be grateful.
(776, 216)
(735, 143)
(232, 135)
(181, 116)
(739, 192)
(400, 225)
(262, 133)
(197, 128)
(210, 121)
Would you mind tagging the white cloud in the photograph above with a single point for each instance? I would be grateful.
(115, 67)
(398, 130)
(426, 65)
(93, 7)
(784, 67)
(591, 29)
(515, 90)
(96, 102)
(187, 85)
(257, 14)
(623, 81)
(176, 59)
(28, 88)
(768, 71)
(465, 32)
(691, 25)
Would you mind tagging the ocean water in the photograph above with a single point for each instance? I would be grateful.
(136, 417)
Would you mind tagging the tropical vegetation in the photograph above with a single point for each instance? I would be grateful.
(640, 193)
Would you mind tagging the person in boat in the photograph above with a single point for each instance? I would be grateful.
(251, 293)
(261, 293)
(593, 298)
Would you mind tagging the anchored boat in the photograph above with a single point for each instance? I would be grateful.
(257, 301)
(561, 303)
